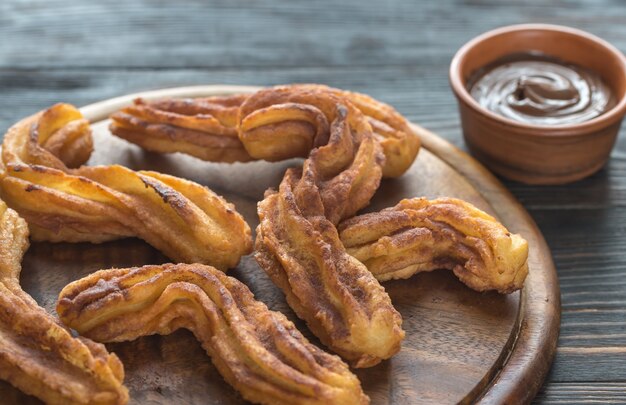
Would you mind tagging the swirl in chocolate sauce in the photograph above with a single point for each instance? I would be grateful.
(541, 90)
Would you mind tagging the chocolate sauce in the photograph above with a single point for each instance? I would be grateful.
(541, 90)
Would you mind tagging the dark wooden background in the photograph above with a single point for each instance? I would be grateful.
(395, 50)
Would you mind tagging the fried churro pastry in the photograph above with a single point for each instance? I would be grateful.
(184, 220)
(399, 141)
(207, 129)
(39, 356)
(421, 235)
(257, 351)
(297, 243)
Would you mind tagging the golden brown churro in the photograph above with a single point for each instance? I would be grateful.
(258, 351)
(421, 235)
(203, 127)
(184, 220)
(207, 129)
(39, 356)
(297, 243)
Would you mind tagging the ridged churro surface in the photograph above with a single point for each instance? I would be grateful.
(423, 235)
(39, 356)
(258, 351)
(184, 220)
(297, 243)
(207, 129)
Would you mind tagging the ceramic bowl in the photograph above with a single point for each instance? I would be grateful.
(540, 154)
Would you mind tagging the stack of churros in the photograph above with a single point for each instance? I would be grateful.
(328, 262)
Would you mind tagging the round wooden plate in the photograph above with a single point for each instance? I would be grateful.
(461, 346)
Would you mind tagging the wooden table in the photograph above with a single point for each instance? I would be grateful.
(397, 51)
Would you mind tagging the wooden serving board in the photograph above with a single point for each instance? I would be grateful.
(461, 346)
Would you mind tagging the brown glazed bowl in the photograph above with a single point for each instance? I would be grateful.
(537, 154)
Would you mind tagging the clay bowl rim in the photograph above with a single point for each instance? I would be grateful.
(457, 83)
